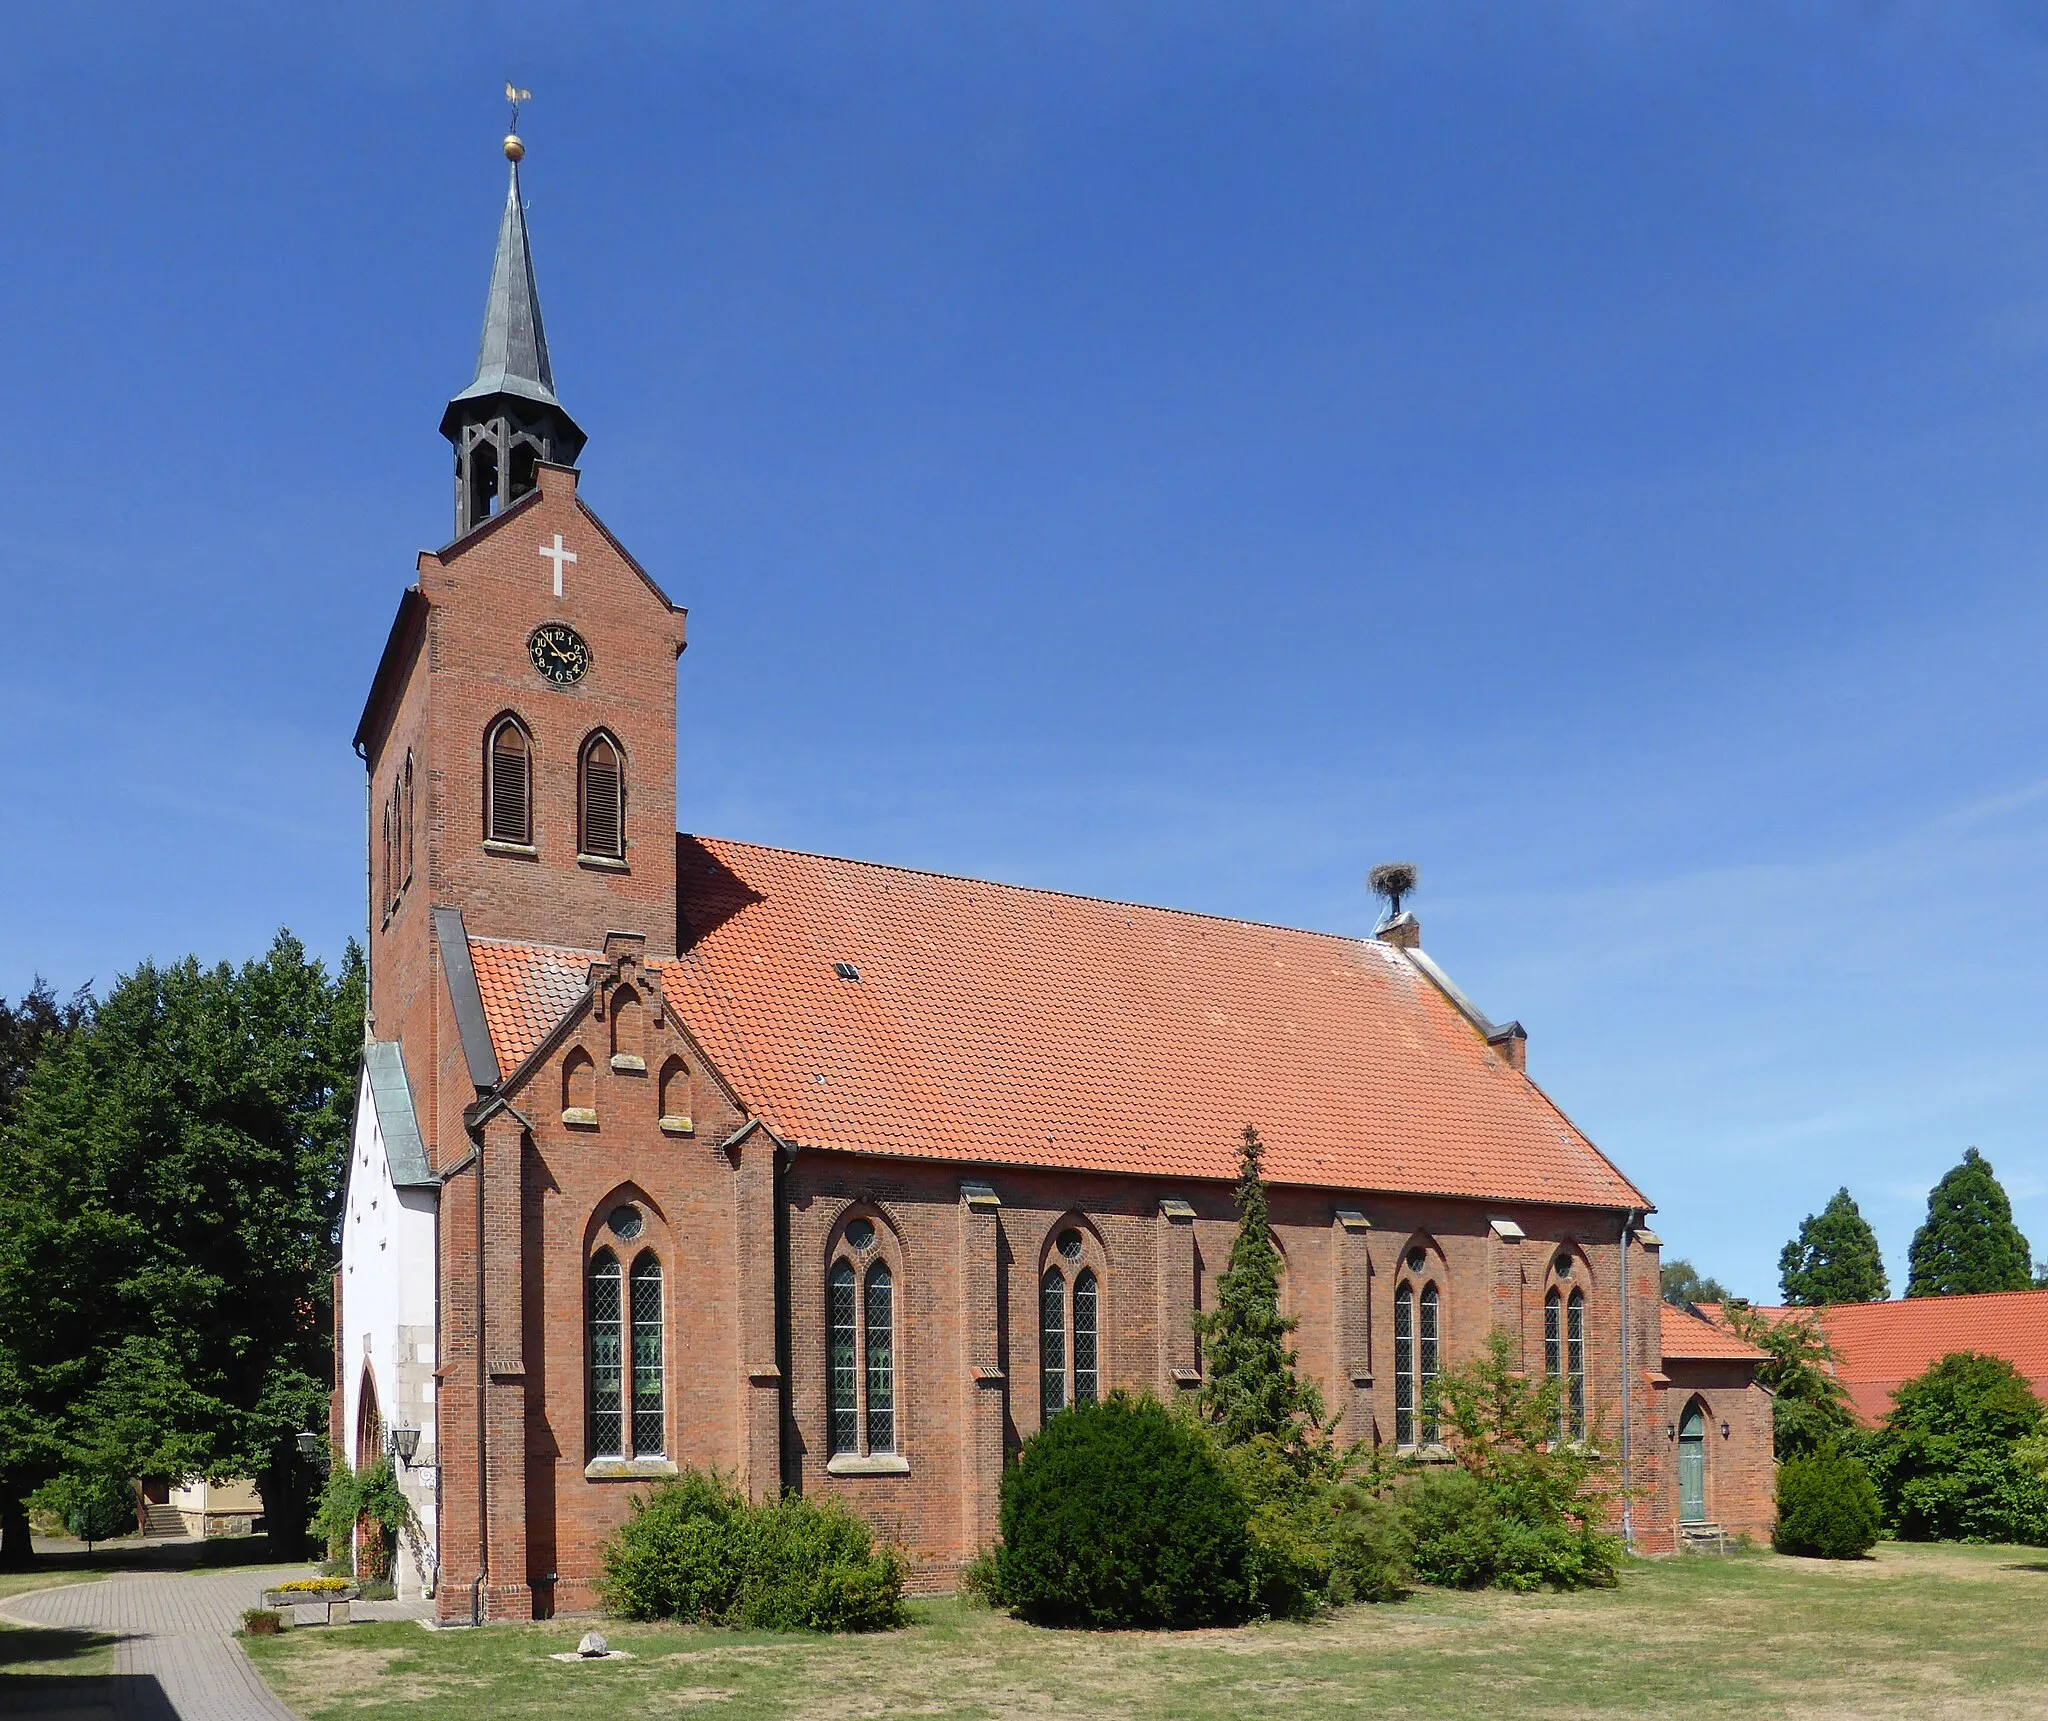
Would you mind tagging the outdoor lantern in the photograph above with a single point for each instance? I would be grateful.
(1670, 1431)
(1724, 1428)
(309, 1443)
(405, 1442)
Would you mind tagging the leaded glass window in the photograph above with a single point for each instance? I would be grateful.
(844, 1366)
(607, 1430)
(881, 1359)
(1426, 1365)
(648, 1437)
(1052, 1344)
(1575, 1363)
(1404, 1366)
(1086, 1376)
(1553, 1352)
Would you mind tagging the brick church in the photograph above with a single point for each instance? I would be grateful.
(841, 1177)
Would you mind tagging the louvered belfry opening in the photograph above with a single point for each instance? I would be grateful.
(508, 817)
(604, 800)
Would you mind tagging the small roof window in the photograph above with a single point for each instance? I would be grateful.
(846, 970)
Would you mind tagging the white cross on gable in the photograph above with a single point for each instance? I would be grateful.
(558, 555)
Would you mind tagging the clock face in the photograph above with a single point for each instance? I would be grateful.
(559, 653)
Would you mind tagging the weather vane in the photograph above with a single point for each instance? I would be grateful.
(514, 149)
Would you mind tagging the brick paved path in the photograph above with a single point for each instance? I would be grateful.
(176, 1656)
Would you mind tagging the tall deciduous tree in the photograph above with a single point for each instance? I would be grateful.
(1809, 1405)
(1834, 1259)
(1252, 1388)
(169, 1190)
(1681, 1283)
(28, 1029)
(1969, 1242)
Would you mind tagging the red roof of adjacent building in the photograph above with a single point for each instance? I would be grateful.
(1880, 1346)
(1003, 1025)
(1695, 1334)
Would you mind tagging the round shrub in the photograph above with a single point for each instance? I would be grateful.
(681, 1552)
(1827, 1507)
(1119, 1514)
(694, 1549)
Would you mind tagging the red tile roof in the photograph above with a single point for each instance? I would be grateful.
(1880, 1346)
(527, 989)
(1693, 1335)
(1003, 1025)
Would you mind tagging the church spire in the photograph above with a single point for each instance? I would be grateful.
(508, 419)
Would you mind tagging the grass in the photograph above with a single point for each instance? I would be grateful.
(1928, 1631)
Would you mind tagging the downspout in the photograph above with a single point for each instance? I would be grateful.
(483, 1445)
(1628, 1501)
(369, 905)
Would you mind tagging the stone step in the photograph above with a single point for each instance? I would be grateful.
(164, 1520)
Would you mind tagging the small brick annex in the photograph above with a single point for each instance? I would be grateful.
(640, 1109)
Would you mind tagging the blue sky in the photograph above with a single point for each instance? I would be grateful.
(1182, 452)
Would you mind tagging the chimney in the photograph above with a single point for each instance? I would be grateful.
(1404, 931)
(1512, 1042)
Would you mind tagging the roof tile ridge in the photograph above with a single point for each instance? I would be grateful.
(1039, 890)
(476, 939)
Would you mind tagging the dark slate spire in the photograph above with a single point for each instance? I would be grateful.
(508, 419)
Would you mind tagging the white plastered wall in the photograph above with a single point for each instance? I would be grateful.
(388, 1323)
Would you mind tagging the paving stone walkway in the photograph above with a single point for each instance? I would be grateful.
(175, 1654)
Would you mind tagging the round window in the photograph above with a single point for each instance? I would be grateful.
(1417, 1260)
(1070, 1244)
(1564, 1266)
(861, 1234)
(625, 1222)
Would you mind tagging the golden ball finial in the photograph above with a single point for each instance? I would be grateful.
(514, 149)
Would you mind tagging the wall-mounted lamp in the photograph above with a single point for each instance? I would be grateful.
(1724, 1428)
(313, 1449)
(1670, 1431)
(405, 1444)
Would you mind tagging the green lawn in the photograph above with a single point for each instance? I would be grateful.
(1920, 1631)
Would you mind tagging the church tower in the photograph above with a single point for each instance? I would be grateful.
(520, 731)
(508, 420)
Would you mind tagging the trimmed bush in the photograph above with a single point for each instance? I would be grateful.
(1949, 1461)
(1827, 1507)
(1471, 1533)
(1120, 1514)
(694, 1549)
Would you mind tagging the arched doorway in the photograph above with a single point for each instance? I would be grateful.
(1692, 1465)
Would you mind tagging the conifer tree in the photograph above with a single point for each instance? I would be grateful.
(1969, 1242)
(1251, 1387)
(1834, 1259)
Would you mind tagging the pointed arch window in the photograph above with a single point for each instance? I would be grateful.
(607, 1357)
(384, 881)
(1069, 1323)
(406, 819)
(1052, 1343)
(1575, 1365)
(879, 1309)
(648, 1439)
(863, 1413)
(602, 814)
(1418, 1356)
(508, 784)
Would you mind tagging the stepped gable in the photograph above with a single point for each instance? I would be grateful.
(1004, 1025)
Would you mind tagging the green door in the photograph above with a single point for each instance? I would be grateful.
(1692, 1467)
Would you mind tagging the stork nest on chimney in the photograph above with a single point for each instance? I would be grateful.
(1392, 879)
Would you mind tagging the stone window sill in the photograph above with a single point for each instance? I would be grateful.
(603, 863)
(629, 1063)
(580, 1117)
(677, 1126)
(1434, 1454)
(874, 1464)
(626, 1469)
(524, 851)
